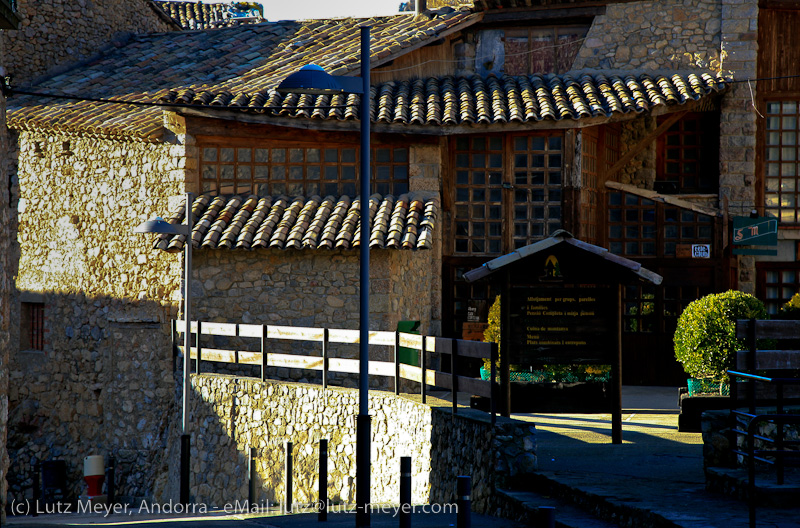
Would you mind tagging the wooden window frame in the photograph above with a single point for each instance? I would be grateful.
(782, 269)
(657, 217)
(672, 160)
(298, 162)
(32, 326)
(553, 45)
(460, 181)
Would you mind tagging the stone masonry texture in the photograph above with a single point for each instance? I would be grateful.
(59, 32)
(231, 415)
(103, 383)
(7, 271)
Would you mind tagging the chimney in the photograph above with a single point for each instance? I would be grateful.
(420, 6)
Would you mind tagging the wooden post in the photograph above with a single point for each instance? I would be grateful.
(325, 358)
(616, 376)
(397, 362)
(493, 370)
(454, 376)
(197, 341)
(174, 343)
(505, 344)
(236, 352)
(751, 363)
(263, 352)
(423, 363)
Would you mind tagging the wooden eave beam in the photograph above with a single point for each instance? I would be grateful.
(644, 143)
(538, 15)
(429, 130)
(9, 19)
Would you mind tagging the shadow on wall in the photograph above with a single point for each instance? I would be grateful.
(95, 377)
(230, 416)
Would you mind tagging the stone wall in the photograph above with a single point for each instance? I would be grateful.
(7, 271)
(103, 383)
(310, 288)
(230, 415)
(655, 35)
(60, 32)
(737, 149)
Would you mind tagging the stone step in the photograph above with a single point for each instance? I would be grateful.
(734, 482)
(566, 515)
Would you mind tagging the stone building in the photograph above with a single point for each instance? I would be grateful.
(8, 264)
(494, 125)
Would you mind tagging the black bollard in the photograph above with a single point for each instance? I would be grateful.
(405, 492)
(546, 517)
(322, 505)
(37, 488)
(252, 476)
(287, 506)
(112, 492)
(464, 502)
(185, 462)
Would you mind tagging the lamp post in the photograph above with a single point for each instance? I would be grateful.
(158, 225)
(312, 79)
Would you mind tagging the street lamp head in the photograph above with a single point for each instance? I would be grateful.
(310, 79)
(159, 225)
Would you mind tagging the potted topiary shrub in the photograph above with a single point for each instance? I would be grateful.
(705, 337)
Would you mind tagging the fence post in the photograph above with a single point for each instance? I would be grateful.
(37, 487)
(493, 394)
(263, 352)
(236, 352)
(423, 363)
(325, 358)
(751, 363)
(464, 502)
(397, 363)
(112, 469)
(252, 476)
(453, 375)
(197, 341)
(287, 507)
(174, 344)
(322, 506)
(405, 492)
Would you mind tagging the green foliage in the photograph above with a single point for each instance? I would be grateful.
(792, 306)
(492, 332)
(706, 334)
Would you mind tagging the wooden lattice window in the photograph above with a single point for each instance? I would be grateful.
(542, 49)
(479, 195)
(31, 335)
(639, 313)
(688, 156)
(295, 170)
(778, 286)
(640, 227)
(781, 166)
(489, 192)
(589, 190)
(537, 187)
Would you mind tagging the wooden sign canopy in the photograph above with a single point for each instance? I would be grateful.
(561, 303)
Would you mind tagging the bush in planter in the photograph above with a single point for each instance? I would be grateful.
(791, 310)
(706, 334)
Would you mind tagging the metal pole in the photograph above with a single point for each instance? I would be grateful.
(405, 492)
(616, 373)
(464, 501)
(287, 505)
(252, 480)
(187, 344)
(112, 490)
(363, 422)
(546, 517)
(322, 506)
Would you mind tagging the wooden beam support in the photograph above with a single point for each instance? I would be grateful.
(644, 143)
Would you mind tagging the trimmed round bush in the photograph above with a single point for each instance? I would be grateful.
(706, 334)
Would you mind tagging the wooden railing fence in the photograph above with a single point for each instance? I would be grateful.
(456, 349)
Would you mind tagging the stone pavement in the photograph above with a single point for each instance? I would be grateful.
(654, 478)
(272, 520)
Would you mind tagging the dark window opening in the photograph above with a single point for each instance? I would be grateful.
(31, 335)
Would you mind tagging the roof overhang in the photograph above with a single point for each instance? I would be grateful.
(9, 19)
(562, 238)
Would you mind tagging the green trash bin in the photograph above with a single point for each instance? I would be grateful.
(409, 356)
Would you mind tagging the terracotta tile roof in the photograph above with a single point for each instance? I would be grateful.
(199, 15)
(236, 222)
(231, 60)
(467, 100)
